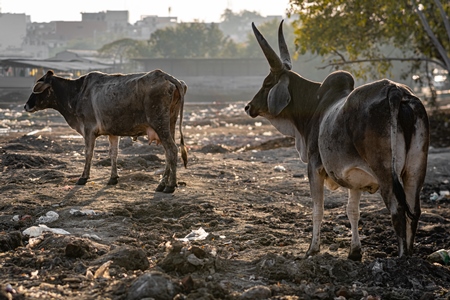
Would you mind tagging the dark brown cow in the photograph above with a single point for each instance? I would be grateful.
(118, 105)
(366, 139)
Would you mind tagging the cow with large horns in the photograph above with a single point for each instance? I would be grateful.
(366, 139)
(118, 105)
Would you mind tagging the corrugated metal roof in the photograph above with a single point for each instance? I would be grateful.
(60, 65)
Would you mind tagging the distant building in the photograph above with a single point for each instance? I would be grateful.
(144, 28)
(12, 34)
(117, 21)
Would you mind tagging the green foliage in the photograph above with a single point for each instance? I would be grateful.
(190, 40)
(233, 22)
(353, 30)
(125, 48)
(270, 31)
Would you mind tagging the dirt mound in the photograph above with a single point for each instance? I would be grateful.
(33, 143)
(23, 161)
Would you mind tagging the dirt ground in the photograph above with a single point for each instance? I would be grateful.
(237, 227)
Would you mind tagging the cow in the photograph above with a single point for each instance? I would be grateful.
(371, 138)
(117, 105)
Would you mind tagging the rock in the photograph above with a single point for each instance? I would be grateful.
(153, 285)
(131, 258)
(10, 241)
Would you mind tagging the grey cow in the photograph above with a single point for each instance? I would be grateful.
(371, 138)
(118, 105)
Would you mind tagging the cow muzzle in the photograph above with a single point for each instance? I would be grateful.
(29, 109)
(251, 112)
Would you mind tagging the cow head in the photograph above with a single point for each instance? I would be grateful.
(41, 96)
(274, 94)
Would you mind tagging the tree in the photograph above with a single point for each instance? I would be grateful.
(124, 49)
(270, 30)
(190, 40)
(233, 23)
(353, 32)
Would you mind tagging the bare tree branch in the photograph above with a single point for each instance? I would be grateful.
(434, 40)
(349, 62)
(444, 17)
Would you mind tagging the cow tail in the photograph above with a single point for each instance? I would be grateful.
(395, 96)
(183, 148)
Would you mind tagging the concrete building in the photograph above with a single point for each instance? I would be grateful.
(143, 28)
(13, 32)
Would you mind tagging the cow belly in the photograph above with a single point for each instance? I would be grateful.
(359, 179)
(152, 136)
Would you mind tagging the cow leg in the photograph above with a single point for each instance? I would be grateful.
(89, 142)
(413, 178)
(412, 192)
(168, 182)
(113, 152)
(398, 217)
(353, 216)
(316, 182)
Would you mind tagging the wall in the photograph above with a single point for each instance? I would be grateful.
(13, 30)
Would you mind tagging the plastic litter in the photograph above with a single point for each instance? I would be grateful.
(441, 256)
(441, 196)
(92, 237)
(36, 231)
(49, 217)
(83, 212)
(195, 235)
(279, 169)
(377, 267)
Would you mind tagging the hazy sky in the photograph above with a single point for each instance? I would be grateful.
(185, 10)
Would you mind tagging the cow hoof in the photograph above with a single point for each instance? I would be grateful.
(311, 253)
(160, 187)
(113, 181)
(82, 181)
(355, 256)
(169, 189)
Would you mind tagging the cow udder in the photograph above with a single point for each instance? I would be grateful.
(152, 136)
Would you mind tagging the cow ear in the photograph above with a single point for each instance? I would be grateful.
(279, 96)
(41, 86)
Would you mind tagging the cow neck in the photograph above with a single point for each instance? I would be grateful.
(304, 102)
(299, 113)
(66, 92)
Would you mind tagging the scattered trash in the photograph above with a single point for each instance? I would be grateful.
(36, 231)
(444, 193)
(103, 271)
(91, 236)
(45, 129)
(10, 289)
(32, 242)
(17, 218)
(159, 172)
(279, 169)
(49, 217)
(441, 256)
(83, 212)
(377, 267)
(434, 196)
(438, 197)
(195, 235)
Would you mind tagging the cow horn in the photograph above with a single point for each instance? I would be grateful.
(284, 51)
(275, 62)
(39, 87)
